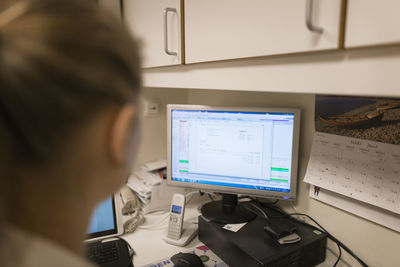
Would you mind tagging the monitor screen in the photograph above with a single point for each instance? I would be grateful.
(235, 150)
(103, 221)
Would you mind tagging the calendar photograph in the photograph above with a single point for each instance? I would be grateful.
(375, 119)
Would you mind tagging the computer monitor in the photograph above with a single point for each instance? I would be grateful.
(105, 221)
(233, 150)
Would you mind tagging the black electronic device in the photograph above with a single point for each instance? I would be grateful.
(103, 246)
(111, 253)
(252, 246)
(186, 260)
(278, 228)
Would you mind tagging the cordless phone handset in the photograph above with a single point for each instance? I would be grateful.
(176, 216)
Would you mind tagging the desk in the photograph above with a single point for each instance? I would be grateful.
(148, 243)
(150, 247)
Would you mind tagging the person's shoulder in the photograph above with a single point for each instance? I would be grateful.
(22, 249)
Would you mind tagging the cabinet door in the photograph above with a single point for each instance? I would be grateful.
(372, 22)
(157, 24)
(228, 29)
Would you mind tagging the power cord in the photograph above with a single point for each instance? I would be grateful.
(319, 228)
(157, 225)
(131, 251)
(263, 213)
(257, 199)
(322, 229)
(189, 196)
(209, 195)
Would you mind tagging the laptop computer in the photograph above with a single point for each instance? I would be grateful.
(104, 248)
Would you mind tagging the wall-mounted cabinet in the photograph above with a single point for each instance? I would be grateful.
(230, 29)
(371, 22)
(157, 24)
(215, 31)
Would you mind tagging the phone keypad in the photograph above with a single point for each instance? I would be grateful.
(175, 227)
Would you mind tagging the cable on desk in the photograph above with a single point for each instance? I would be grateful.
(263, 213)
(190, 194)
(269, 203)
(322, 229)
(281, 211)
(293, 206)
(210, 195)
(257, 199)
(131, 251)
(154, 225)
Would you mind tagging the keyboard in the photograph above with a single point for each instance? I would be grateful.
(102, 253)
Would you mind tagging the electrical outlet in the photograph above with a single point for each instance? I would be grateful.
(151, 108)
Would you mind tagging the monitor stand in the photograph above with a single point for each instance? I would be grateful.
(227, 211)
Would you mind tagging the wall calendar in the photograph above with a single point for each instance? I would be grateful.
(356, 152)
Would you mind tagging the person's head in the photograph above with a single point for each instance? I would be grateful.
(69, 88)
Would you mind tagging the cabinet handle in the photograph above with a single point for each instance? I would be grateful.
(309, 23)
(166, 49)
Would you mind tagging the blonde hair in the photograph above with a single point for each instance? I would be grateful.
(61, 61)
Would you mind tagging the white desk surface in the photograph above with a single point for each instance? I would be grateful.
(149, 246)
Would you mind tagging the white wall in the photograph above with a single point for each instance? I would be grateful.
(376, 245)
(153, 138)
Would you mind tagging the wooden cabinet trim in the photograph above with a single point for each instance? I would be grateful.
(183, 50)
(342, 24)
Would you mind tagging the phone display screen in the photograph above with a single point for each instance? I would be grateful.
(176, 209)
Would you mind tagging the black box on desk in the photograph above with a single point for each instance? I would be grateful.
(251, 246)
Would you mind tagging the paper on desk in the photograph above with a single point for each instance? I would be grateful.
(361, 169)
(142, 182)
(154, 165)
(139, 187)
(234, 227)
(148, 178)
(143, 191)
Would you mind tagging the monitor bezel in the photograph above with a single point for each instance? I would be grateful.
(236, 190)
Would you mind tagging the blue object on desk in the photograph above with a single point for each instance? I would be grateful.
(102, 218)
